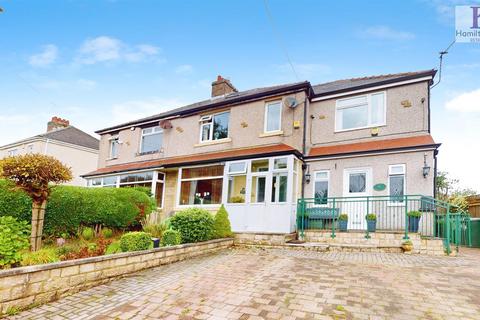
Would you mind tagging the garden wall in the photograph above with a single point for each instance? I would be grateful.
(27, 286)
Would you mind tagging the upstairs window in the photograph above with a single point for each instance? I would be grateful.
(214, 127)
(113, 147)
(152, 139)
(273, 116)
(360, 112)
(12, 152)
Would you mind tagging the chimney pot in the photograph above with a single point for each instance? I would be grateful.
(57, 123)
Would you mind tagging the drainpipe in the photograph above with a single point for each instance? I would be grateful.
(304, 143)
(46, 147)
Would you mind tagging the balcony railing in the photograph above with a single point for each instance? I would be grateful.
(430, 217)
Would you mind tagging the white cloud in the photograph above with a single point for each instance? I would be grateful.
(467, 102)
(107, 49)
(306, 70)
(45, 58)
(86, 84)
(386, 33)
(136, 109)
(184, 69)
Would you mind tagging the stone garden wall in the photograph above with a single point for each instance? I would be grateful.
(27, 286)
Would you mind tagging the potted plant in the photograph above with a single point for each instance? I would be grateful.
(413, 220)
(343, 222)
(407, 246)
(371, 222)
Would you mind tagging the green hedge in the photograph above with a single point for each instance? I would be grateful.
(135, 241)
(70, 207)
(194, 225)
(221, 224)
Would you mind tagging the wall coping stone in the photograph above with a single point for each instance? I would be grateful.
(77, 262)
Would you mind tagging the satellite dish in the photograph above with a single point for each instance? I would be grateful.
(290, 102)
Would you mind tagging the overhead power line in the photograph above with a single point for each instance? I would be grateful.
(279, 38)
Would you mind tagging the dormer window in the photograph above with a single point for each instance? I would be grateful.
(152, 140)
(360, 112)
(214, 127)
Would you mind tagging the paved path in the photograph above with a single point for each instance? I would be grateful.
(286, 284)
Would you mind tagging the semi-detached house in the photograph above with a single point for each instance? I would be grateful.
(258, 151)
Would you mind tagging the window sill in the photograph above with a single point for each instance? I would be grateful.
(115, 158)
(271, 134)
(209, 143)
(360, 128)
(139, 154)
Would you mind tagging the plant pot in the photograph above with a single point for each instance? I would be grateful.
(407, 247)
(413, 224)
(343, 225)
(371, 225)
(156, 242)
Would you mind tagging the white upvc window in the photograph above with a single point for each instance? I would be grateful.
(214, 127)
(113, 147)
(12, 152)
(396, 183)
(321, 186)
(279, 180)
(200, 185)
(237, 182)
(273, 116)
(152, 140)
(360, 112)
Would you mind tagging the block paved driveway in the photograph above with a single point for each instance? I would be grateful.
(285, 284)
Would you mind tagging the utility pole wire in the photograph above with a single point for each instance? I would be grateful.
(442, 53)
(279, 38)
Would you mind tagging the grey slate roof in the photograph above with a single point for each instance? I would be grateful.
(72, 135)
(316, 90)
(357, 83)
(214, 102)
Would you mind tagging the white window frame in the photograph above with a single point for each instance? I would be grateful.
(279, 173)
(239, 172)
(159, 130)
(208, 121)
(113, 140)
(369, 107)
(265, 124)
(179, 186)
(404, 174)
(322, 179)
(30, 148)
(12, 152)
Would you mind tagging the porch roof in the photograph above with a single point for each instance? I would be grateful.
(376, 145)
(244, 153)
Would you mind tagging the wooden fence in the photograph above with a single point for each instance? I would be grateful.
(474, 206)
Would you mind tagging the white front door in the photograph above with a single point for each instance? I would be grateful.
(357, 183)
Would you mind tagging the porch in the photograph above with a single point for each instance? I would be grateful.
(409, 217)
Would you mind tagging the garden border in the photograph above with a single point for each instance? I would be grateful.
(25, 287)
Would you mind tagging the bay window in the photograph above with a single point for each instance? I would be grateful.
(152, 140)
(259, 180)
(396, 183)
(214, 127)
(280, 180)
(360, 112)
(201, 185)
(237, 182)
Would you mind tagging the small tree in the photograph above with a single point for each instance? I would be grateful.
(33, 173)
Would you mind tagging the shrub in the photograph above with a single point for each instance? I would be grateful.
(221, 224)
(458, 203)
(107, 233)
(343, 217)
(171, 238)
(88, 234)
(64, 250)
(114, 247)
(42, 256)
(155, 230)
(371, 216)
(416, 214)
(194, 225)
(135, 241)
(70, 207)
(14, 237)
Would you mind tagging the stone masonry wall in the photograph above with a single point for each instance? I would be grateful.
(269, 239)
(33, 285)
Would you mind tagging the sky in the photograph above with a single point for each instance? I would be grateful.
(99, 63)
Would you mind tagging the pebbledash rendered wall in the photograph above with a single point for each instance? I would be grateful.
(27, 286)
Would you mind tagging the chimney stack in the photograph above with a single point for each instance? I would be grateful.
(222, 86)
(57, 123)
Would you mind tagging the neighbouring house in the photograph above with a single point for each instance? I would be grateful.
(258, 151)
(72, 146)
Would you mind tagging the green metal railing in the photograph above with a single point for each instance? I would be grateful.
(438, 219)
